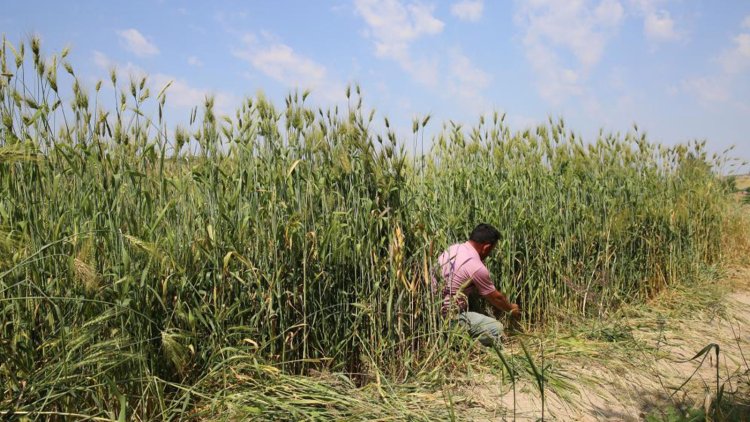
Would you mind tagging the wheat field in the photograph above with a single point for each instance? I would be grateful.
(150, 272)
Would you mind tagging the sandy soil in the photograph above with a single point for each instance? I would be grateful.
(629, 382)
(743, 182)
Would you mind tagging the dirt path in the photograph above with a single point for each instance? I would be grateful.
(635, 374)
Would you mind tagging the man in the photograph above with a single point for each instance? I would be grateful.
(463, 274)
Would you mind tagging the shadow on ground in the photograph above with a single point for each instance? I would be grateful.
(661, 407)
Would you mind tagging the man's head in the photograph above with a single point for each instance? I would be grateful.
(484, 237)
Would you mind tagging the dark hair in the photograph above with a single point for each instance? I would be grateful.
(484, 233)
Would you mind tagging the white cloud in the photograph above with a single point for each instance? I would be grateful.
(194, 61)
(467, 82)
(393, 27)
(522, 122)
(422, 70)
(468, 10)
(581, 28)
(101, 60)
(720, 87)
(737, 59)
(625, 104)
(592, 107)
(128, 69)
(658, 25)
(708, 89)
(136, 43)
(608, 13)
(280, 62)
(180, 93)
(616, 78)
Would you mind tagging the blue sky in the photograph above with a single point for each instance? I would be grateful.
(679, 69)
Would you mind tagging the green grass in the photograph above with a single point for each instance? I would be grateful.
(145, 273)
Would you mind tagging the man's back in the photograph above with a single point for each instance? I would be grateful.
(462, 267)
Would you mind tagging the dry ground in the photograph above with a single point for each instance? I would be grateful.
(633, 367)
(743, 182)
(639, 363)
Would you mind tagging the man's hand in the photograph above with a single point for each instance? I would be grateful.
(515, 310)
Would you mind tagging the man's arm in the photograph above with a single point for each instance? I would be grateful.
(501, 302)
(486, 288)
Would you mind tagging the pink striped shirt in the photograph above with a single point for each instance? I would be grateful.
(461, 265)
